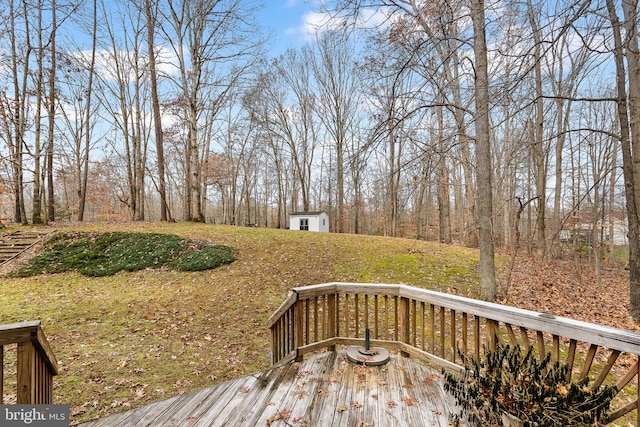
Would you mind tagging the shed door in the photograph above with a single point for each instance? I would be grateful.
(304, 224)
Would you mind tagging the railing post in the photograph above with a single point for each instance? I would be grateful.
(405, 333)
(26, 373)
(298, 331)
(332, 313)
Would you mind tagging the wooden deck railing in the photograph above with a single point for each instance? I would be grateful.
(35, 362)
(433, 326)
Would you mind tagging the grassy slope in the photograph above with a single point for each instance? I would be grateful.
(133, 338)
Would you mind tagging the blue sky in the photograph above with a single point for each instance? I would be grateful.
(287, 21)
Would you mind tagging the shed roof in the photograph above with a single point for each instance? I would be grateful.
(307, 213)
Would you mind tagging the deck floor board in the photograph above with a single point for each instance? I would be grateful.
(323, 390)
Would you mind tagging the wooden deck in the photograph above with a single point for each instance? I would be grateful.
(323, 390)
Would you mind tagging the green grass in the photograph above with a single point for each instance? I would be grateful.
(141, 336)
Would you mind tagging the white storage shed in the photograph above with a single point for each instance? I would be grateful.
(309, 221)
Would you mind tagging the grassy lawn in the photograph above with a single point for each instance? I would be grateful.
(136, 337)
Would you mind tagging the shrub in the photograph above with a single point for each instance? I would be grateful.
(509, 380)
(204, 258)
(104, 254)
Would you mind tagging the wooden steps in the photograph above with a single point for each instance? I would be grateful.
(14, 243)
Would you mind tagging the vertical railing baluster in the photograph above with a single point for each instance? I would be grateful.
(492, 334)
(298, 329)
(404, 323)
(453, 336)
(346, 315)
(512, 334)
(476, 336)
(356, 302)
(366, 312)
(307, 322)
(588, 361)
(273, 348)
(323, 317)
(442, 332)
(465, 333)
(386, 317)
(541, 348)
(275, 353)
(524, 334)
(287, 333)
(332, 320)
(413, 322)
(571, 358)
(396, 320)
(423, 327)
(556, 348)
(432, 333)
(377, 317)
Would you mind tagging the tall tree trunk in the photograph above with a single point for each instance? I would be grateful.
(340, 222)
(392, 190)
(155, 105)
(19, 114)
(538, 151)
(483, 154)
(51, 213)
(36, 214)
(630, 169)
(87, 143)
(444, 211)
(451, 67)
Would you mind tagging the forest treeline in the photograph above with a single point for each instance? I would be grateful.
(488, 123)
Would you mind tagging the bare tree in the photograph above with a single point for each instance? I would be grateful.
(539, 159)
(213, 42)
(335, 74)
(51, 213)
(483, 154)
(16, 106)
(82, 184)
(151, 14)
(284, 104)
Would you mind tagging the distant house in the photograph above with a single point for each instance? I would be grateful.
(579, 228)
(309, 221)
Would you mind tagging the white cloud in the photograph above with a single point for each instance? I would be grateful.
(374, 18)
(313, 23)
(167, 61)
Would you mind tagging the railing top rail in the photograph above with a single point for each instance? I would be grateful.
(14, 333)
(286, 304)
(612, 338)
(21, 332)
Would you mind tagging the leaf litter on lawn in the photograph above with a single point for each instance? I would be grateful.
(137, 337)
